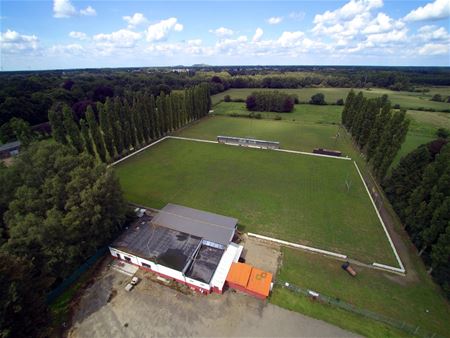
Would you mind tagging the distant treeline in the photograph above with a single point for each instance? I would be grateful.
(122, 125)
(29, 95)
(274, 101)
(419, 190)
(377, 131)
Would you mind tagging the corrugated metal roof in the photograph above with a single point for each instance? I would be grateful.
(8, 146)
(212, 227)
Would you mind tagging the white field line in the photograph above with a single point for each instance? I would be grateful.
(138, 151)
(283, 150)
(299, 246)
(191, 139)
(312, 154)
(378, 265)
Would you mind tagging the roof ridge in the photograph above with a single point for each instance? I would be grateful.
(196, 220)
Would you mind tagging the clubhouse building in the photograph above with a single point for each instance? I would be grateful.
(190, 246)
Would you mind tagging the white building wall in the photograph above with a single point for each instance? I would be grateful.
(123, 255)
(170, 272)
(197, 283)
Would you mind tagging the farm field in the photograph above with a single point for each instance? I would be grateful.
(409, 100)
(414, 300)
(298, 198)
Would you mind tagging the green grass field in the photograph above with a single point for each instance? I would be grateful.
(294, 136)
(316, 127)
(298, 198)
(409, 100)
(415, 300)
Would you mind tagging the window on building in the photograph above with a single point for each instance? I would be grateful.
(146, 265)
(127, 258)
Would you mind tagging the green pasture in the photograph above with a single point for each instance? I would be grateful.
(409, 100)
(414, 300)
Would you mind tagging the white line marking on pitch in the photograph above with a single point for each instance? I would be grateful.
(399, 261)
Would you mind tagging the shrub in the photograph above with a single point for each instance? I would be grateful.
(227, 98)
(437, 98)
(340, 102)
(318, 98)
(442, 133)
(278, 117)
(396, 106)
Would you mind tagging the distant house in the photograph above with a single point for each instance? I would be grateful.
(9, 149)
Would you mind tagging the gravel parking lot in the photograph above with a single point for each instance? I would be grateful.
(154, 310)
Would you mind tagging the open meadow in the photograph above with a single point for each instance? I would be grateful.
(408, 100)
(294, 197)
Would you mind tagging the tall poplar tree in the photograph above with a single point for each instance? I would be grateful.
(87, 137)
(56, 122)
(106, 129)
(72, 130)
(97, 137)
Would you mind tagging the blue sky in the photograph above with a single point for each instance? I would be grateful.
(72, 34)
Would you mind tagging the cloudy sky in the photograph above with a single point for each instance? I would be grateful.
(37, 34)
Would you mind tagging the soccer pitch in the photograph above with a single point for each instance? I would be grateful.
(297, 198)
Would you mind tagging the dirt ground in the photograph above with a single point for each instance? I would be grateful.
(262, 255)
(153, 310)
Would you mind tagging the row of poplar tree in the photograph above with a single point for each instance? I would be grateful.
(377, 130)
(125, 124)
(419, 190)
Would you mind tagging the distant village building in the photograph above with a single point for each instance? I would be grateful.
(9, 149)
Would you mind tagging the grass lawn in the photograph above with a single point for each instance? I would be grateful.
(409, 100)
(296, 136)
(298, 198)
(316, 127)
(302, 113)
(395, 297)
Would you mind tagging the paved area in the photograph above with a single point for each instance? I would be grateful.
(154, 310)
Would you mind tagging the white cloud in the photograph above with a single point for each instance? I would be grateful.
(258, 34)
(274, 20)
(78, 35)
(439, 9)
(63, 9)
(67, 50)
(137, 19)
(123, 38)
(14, 42)
(432, 33)
(290, 39)
(88, 11)
(434, 49)
(347, 12)
(297, 15)
(222, 32)
(382, 23)
(159, 31)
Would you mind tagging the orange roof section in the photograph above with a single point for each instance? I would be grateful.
(259, 282)
(239, 274)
